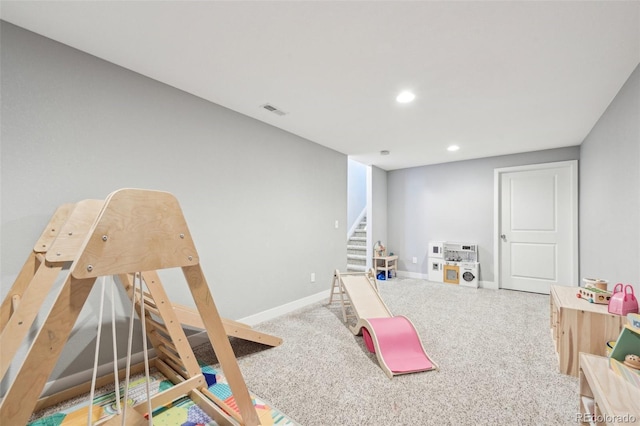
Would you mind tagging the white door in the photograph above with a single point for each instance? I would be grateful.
(538, 217)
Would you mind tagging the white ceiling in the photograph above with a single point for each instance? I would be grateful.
(492, 77)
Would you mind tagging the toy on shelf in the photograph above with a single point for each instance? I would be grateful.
(596, 282)
(634, 320)
(594, 295)
(633, 361)
(379, 249)
(624, 360)
(623, 300)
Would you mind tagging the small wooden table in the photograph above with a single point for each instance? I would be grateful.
(386, 264)
(579, 326)
(615, 401)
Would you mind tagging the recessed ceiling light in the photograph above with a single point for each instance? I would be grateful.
(405, 97)
(384, 152)
(453, 148)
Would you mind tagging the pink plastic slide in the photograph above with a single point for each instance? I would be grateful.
(398, 344)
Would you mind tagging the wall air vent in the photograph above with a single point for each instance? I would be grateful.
(273, 109)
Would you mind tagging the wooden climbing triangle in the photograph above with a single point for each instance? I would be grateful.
(133, 233)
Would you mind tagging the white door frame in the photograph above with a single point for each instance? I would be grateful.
(369, 218)
(497, 176)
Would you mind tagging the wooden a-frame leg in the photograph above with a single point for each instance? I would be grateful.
(245, 332)
(220, 342)
(22, 396)
(20, 322)
(178, 336)
(33, 262)
(21, 283)
(372, 277)
(191, 317)
(337, 282)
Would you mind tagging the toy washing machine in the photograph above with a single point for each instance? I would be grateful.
(469, 274)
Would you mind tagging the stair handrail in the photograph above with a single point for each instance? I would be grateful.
(355, 224)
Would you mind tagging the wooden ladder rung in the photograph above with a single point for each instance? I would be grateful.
(146, 297)
(167, 342)
(152, 309)
(149, 302)
(166, 351)
(157, 326)
(177, 368)
(40, 258)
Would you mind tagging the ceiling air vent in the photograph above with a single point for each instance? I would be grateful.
(273, 109)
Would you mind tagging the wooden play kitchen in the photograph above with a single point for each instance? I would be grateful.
(579, 326)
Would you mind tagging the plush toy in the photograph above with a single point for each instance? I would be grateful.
(632, 361)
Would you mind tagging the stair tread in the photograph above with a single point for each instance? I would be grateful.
(357, 248)
(356, 268)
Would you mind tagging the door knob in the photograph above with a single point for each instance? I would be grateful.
(503, 237)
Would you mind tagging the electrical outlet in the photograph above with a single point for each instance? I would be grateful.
(415, 260)
(337, 224)
(313, 277)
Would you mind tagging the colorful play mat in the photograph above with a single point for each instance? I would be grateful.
(182, 412)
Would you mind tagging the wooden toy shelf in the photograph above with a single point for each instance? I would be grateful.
(579, 326)
(385, 264)
(615, 401)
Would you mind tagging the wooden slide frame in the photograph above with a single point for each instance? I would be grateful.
(338, 289)
(134, 232)
(363, 298)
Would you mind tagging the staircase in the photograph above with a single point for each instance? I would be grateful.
(357, 248)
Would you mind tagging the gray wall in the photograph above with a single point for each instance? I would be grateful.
(610, 191)
(261, 203)
(451, 202)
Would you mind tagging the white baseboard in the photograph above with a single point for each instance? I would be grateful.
(278, 311)
(85, 376)
(66, 382)
(414, 275)
(491, 285)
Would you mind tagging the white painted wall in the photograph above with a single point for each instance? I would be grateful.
(260, 203)
(450, 202)
(610, 191)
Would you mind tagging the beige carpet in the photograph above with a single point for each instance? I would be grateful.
(494, 349)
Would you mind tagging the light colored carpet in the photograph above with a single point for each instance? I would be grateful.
(493, 347)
